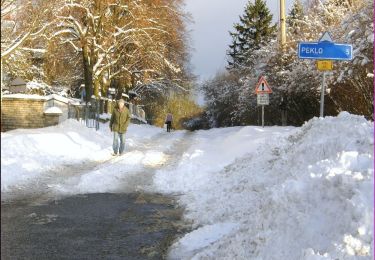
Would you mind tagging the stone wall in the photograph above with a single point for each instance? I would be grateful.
(25, 113)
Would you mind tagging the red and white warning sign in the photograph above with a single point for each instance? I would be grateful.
(263, 87)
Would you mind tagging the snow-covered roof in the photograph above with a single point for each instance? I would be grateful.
(18, 81)
(25, 96)
(36, 85)
(45, 98)
(53, 110)
(64, 99)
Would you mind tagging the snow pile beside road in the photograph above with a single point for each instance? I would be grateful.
(306, 196)
(27, 154)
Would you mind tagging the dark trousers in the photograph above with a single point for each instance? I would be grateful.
(169, 126)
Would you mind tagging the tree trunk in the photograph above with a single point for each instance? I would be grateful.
(96, 87)
(87, 74)
(105, 87)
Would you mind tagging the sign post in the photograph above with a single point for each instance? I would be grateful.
(323, 90)
(263, 90)
(325, 51)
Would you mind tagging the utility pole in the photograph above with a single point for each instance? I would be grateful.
(282, 24)
(282, 47)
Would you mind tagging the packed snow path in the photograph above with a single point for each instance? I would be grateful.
(249, 192)
(92, 176)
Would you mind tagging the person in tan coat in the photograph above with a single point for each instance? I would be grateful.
(118, 124)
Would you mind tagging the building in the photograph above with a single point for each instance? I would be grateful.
(18, 85)
(34, 111)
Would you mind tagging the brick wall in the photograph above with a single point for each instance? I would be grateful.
(25, 113)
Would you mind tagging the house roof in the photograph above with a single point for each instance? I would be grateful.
(17, 82)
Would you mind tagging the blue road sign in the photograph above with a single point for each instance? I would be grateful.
(325, 50)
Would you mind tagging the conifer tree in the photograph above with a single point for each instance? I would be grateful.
(252, 32)
(295, 16)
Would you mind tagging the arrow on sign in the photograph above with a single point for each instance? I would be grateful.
(262, 86)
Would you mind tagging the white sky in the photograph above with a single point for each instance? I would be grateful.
(213, 19)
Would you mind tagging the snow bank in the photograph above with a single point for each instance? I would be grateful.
(250, 192)
(304, 196)
(25, 153)
(28, 154)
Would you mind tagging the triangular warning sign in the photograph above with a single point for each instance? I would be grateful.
(326, 37)
(262, 86)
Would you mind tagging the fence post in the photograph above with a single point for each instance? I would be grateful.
(87, 114)
(98, 107)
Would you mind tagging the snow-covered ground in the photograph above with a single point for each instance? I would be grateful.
(249, 192)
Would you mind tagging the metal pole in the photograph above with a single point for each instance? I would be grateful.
(282, 24)
(322, 95)
(262, 116)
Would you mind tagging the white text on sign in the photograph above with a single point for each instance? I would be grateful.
(312, 50)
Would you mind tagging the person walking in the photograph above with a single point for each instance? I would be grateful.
(118, 124)
(168, 121)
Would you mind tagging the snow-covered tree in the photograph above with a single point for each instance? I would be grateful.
(295, 17)
(22, 25)
(118, 38)
(20, 21)
(254, 31)
(351, 85)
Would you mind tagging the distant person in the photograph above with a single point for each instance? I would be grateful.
(168, 121)
(118, 124)
(283, 109)
(82, 92)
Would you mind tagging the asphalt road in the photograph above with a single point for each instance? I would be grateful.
(90, 226)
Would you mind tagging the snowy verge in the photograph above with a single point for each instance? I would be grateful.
(250, 192)
(308, 195)
(28, 154)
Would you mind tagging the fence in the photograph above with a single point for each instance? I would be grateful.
(85, 113)
(137, 113)
(89, 113)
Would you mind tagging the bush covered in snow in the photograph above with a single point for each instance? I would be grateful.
(298, 81)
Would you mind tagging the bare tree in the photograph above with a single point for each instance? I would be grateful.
(117, 38)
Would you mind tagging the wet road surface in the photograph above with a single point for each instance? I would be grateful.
(91, 226)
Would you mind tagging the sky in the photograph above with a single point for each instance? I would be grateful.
(212, 21)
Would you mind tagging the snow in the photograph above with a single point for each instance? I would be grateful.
(37, 85)
(248, 192)
(295, 195)
(64, 99)
(105, 116)
(46, 98)
(201, 238)
(26, 96)
(53, 110)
